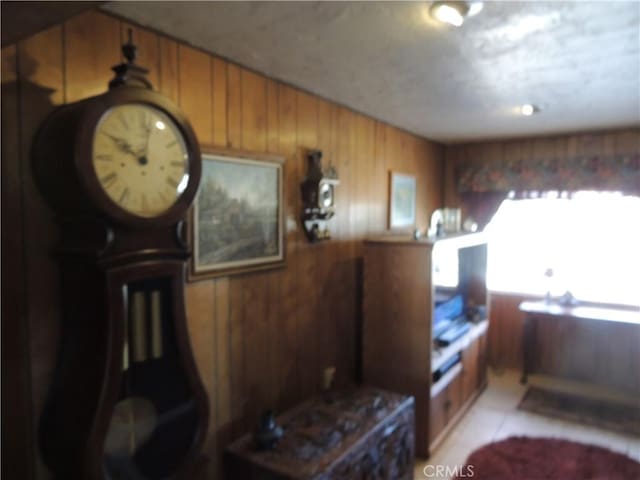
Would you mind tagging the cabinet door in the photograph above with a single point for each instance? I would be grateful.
(470, 357)
(437, 414)
(454, 397)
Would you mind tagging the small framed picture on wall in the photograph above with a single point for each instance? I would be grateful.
(402, 201)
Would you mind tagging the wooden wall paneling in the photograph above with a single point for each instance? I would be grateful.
(436, 157)
(168, 64)
(363, 155)
(219, 77)
(274, 278)
(345, 303)
(513, 151)
(353, 312)
(148, 52)
(255, 302)
(256, 348)
(326, 251)
(423, 170)
(223, 369)
(343, 193)
(452, 160)
(194, 91)
(286, 345)
(609, 144)
(393, 154)
(572, 145)
(254, 111)
(234, 106)
(377, 197)
(308, 279)
(200, 310)
(492, 152)
(543, 148)
(239, 397)
(223, 355)
(237, 357)
(40, 68)
(17, 453)
(627, 141)
(92, 47)
(589, 144)
(273, 145)
(559, 147)
(505, 331)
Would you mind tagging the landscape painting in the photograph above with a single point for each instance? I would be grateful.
(238, 218)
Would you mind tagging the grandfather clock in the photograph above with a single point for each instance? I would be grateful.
(121, 170)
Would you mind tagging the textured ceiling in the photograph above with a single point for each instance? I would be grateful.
(578, 61)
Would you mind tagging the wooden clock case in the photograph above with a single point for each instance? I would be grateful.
(107, 256)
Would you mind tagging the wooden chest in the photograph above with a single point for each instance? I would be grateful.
(352, 434)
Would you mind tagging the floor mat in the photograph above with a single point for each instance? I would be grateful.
(600, 413)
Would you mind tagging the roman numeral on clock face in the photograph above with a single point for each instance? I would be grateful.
(173, 182)
(108, 179)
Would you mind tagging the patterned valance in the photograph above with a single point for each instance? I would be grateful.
(604, 172)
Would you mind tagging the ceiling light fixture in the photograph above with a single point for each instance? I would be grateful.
(528, 109)
(453, 12)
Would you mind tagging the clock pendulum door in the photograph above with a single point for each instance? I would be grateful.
(155, 417)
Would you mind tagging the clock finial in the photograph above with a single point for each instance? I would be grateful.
(128, 73)
(129, 49)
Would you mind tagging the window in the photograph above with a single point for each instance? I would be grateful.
(590, 242)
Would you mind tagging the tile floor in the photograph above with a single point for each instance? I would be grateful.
(494, 416)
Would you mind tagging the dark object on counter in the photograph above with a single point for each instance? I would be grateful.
(268, 433)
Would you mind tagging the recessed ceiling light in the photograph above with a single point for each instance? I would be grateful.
(454, 12)
(528, 109)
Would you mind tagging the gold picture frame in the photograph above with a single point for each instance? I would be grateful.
(237, 221)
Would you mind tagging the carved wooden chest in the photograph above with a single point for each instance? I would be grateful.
(352, 434)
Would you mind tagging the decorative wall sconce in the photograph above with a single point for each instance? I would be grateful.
(318, 197)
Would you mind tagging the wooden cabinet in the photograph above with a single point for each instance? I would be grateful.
(398, 304)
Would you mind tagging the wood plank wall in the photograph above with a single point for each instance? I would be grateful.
(260, 340)
(506, 321)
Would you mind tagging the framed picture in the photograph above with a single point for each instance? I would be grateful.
(237, 221)
(402, 201)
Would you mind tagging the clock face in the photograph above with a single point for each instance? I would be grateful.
(326, 195)
(140, 159)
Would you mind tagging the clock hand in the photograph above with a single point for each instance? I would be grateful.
(143, 160)
(121, 144)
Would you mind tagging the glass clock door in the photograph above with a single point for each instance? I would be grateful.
(154, 421)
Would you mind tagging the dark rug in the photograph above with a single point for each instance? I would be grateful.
(600, 413)
(524, 458)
